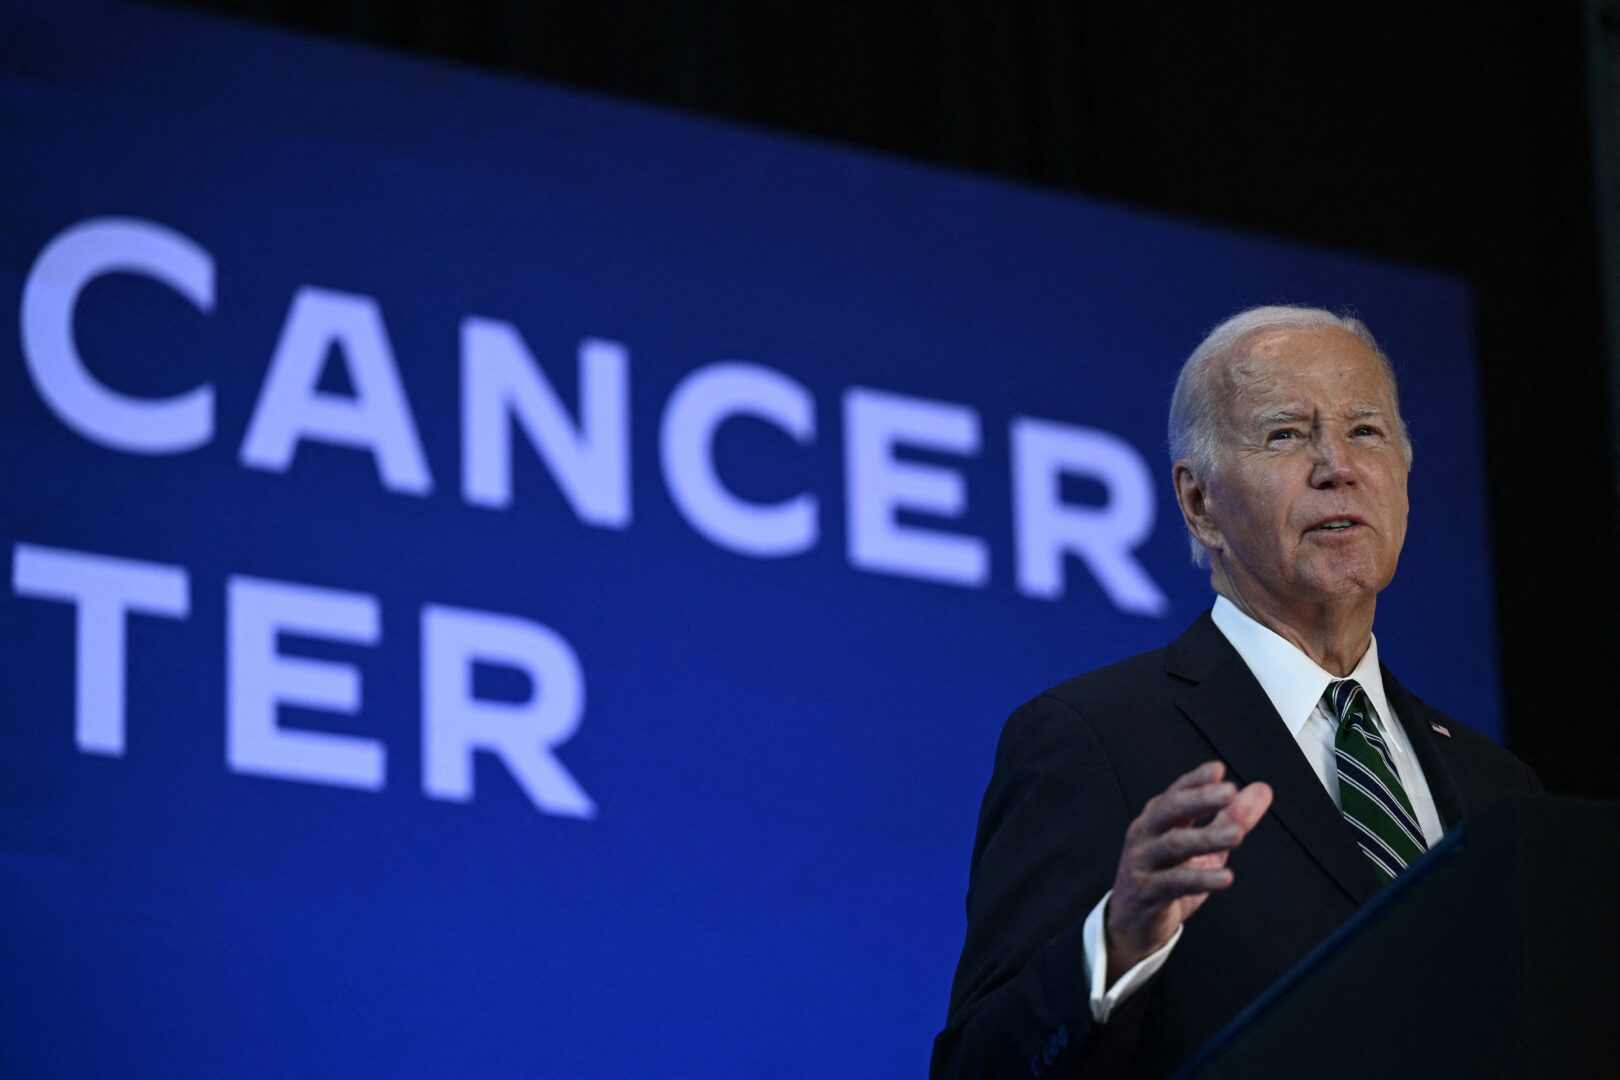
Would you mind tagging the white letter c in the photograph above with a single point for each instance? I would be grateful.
(73, 259)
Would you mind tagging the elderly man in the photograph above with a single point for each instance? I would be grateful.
(1164, 837)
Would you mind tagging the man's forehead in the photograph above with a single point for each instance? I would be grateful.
(1278, 365)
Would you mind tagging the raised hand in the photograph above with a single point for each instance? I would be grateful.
(1170, 865)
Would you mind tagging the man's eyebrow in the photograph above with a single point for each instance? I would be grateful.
(1281, 416)
(1298, 416)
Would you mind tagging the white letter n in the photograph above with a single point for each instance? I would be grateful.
(501, 383)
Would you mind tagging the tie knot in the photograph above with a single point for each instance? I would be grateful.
(1346, 700)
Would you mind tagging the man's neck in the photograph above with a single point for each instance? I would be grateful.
(1334, 636)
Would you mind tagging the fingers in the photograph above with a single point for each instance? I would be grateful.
(1162, 836)
(1182, 881)
(1209, 772)
(1180, 806)
(1179, 845)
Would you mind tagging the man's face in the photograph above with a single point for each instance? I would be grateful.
(1307, 501)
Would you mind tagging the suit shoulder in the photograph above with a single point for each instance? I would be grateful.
(1479, 753)
(1102, 697)
(1124, 680)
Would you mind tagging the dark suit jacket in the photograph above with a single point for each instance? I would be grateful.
(1073, 768)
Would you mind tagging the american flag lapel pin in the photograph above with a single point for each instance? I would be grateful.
(1441, 728)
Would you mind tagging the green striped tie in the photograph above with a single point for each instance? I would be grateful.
(1370, 792)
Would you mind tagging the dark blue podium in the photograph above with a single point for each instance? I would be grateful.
(1497, 955)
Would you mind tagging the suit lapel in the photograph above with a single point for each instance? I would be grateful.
(1227, 704)
(1434, 751)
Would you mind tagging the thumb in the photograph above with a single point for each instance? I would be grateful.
(1247, 806)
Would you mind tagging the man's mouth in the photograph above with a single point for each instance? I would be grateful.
(1338, 524)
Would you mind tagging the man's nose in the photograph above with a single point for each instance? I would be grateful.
(1331, 460)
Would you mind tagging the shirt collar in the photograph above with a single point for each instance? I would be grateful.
(1291, 679)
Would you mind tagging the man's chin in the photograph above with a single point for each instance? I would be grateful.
(1349, 581)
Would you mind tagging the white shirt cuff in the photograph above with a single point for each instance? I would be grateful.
(1104, 999)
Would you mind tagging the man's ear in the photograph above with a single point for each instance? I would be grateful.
(1191, 497)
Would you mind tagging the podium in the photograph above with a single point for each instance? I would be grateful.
(1496, 955)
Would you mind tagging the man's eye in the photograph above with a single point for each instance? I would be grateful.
(1364, 429)
(1278, 436)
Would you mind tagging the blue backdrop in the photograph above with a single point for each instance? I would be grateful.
(506, 582)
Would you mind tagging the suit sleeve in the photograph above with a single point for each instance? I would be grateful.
(1049, 836)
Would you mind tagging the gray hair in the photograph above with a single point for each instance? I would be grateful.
(1195, 404)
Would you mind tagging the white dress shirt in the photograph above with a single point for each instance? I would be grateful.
(1295, 686)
